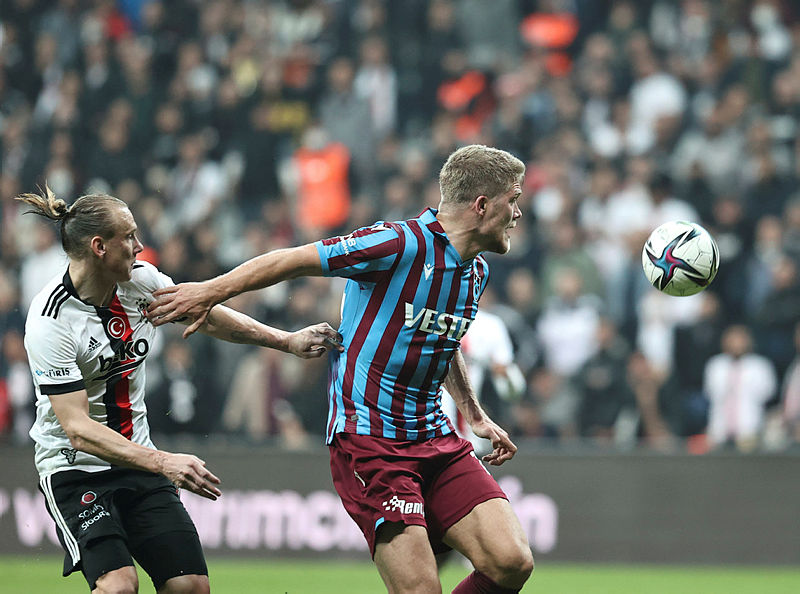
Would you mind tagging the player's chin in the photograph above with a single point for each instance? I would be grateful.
(503, 246)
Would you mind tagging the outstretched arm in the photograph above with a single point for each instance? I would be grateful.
(195, 300)
(458, 384)
(87, 435)
(228, 324)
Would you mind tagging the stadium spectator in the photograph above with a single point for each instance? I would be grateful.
(738, 383)
(567, 325)
(601, 386)
(91, 432)
(389, 440)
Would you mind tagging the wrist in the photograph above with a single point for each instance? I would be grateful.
(157, 461)
(282, 340)
(218, 290)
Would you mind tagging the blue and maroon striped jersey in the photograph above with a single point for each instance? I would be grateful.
(408, 301)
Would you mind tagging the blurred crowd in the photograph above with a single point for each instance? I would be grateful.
(232, 127)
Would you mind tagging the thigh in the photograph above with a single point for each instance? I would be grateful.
(462, 484)
(375, 486)
(162, 537)
(490, 531)
(170, 555)
(152, 510)
(83, 508)
(405, 559)
(107, 559)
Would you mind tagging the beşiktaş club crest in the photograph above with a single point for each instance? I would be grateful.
(88, 497)
(69, 454)
(141, 307)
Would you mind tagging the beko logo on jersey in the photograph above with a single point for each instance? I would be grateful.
(433, 322)
(129, 350)
(58, 372)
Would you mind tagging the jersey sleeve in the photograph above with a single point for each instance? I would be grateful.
(53, 357)
(364, 255)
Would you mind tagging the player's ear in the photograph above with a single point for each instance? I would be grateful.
(98, 246)
(480, 204)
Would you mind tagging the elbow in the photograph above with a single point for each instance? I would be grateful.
(77, 442)
(76, 437)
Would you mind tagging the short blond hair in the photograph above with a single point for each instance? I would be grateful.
(478, 170)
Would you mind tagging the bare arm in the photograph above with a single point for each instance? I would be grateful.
(195, 300)
(233, 326)
(87, 435)
(457, 383)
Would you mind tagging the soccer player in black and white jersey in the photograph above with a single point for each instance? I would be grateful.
(112, 494)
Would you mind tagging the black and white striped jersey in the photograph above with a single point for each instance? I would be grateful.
(73, 345)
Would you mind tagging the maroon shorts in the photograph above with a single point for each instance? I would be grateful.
(431, 483)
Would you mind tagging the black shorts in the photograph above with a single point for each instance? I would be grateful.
(106, 519)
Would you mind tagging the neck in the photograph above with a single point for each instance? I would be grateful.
(462, 235)
(92, 285)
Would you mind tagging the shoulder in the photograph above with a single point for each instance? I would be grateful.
(47, 325)
(148, 278)
(49, 301)
(376, 234)
(761, 364)
(382, 230)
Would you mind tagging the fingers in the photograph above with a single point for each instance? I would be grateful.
(498, 456)
(504, 449)
(201, 481)
(156, 307)
(333, 343)
(314, 352)
(330, 337)
(195, 326)
(165, 291)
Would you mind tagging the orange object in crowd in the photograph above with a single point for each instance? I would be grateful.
(148, 255)
(457, 94)
(324, 188)
(551, 31)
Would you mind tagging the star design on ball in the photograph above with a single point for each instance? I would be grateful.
(669, 263)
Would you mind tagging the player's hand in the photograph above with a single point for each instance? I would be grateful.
(314, 341)
(187, 300)
(190, 473)
(503, 448)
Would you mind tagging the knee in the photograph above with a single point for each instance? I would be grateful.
(117, 582)
(186, 584)
(517, 566)
(510, 567)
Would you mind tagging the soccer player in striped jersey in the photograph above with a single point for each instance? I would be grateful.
(411, 484)
(112, 495)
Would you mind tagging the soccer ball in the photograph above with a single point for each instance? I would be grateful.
(680, 258)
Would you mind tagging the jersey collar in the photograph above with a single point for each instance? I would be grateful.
(428, 218)
(73, 292)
